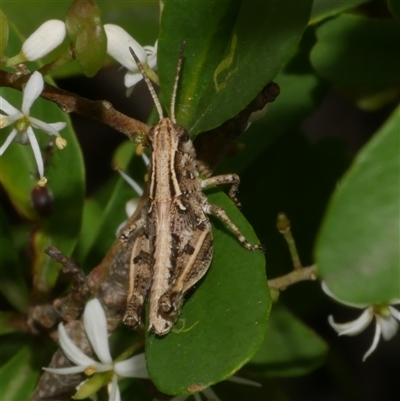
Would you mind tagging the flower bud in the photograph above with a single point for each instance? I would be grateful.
(44, 40)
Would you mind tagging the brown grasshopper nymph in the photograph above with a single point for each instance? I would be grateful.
(173, 244)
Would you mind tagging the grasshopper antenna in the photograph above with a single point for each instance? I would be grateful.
(175, 88)
(149, 84)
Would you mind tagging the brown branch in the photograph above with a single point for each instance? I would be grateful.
(303, 274)
(100, 110)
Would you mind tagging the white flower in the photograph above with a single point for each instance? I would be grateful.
(386, 317)
(209, 393)
(118, 43)
(44, 40)
(23, 123)
(95, 323)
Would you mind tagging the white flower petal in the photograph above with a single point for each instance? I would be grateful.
(47, 128)
(58, 126)
(65, 371)
(136, 187)
(72, 352)
(389, 326)
(374, 342)
(8, 140)
(95, 323)
(208, 392)
(145, 158)
(44, 40)
(113, 390)
(118, 43)
(36, 151)
(151, 52)
(394, 312)
(333, 296)
(354, 327)
(32, 91)
(242, 380)
(22, 138)
(132, 78)
(8, 120)
(132, 367)
(395, 301)
(131, 207)
(7, 107)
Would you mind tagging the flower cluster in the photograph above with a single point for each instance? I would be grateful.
(23, 122)
(53, 32)
(95, 324)
(386, 317)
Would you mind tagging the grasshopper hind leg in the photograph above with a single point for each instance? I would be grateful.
(140, 276)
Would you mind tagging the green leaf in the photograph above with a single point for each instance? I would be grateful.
(18, 379)
(89, 228)
(300, 93)
(357, 51)
(357, 251)
(3, 32)
(12, 284)
(222, 323)
(394, 7)
(85, 28)
(60, 224)
(323, 9)
(290, 348)
(233, 49)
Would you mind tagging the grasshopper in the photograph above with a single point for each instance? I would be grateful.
(173, 244)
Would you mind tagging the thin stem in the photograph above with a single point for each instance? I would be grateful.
(66, 58)
(283, 225)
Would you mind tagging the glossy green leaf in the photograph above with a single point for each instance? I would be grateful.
(357, 51)
(358, 251)
(18, 379)
(290, 348)
(89, 228)
(85, 28)
(328, 8)
(59, 224)
(12, 284)
(233, 49)
(3, 33)
(300, 93)
(222, 323)
(394, 7)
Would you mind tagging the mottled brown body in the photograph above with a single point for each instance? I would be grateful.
(173, 240)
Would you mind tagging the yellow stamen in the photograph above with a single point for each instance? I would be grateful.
(90, 370)
(22, 124)
(42, 182)
(3, 122)
(61, 142)
(139, 149)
